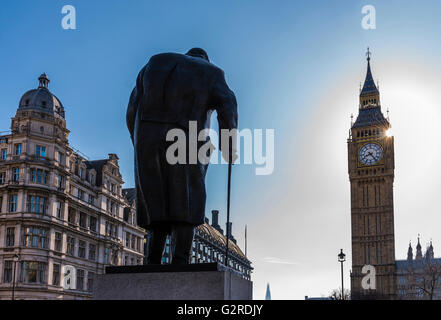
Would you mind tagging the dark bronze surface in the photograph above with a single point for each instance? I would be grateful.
(171, 90)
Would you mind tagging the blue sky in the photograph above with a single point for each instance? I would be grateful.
(295, 67)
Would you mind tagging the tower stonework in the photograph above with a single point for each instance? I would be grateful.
(371, 174)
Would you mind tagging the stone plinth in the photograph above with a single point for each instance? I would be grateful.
(209, 281)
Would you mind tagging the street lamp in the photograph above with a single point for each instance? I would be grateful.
(16, 257)
(341, 259)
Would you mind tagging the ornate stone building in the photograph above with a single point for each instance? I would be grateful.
(209, 245)
(419, 277)
(57, 208)
(371, 174)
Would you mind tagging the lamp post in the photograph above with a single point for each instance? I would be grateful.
(341, 259)
(16, 257)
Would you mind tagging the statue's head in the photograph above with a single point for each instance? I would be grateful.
(199, 53)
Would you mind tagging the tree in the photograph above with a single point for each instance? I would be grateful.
(428, 282)
(336, 294)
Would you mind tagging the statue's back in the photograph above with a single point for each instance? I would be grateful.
(176, 89)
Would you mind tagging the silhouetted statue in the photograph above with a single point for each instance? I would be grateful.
(171, 90)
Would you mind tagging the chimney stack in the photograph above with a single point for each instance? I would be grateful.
(229, 226)
(215, 217)
(230, 232)
(215, 221)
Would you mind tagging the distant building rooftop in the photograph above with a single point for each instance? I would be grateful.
(317, 298)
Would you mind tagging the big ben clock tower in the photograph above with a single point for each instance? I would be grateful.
(371, 174)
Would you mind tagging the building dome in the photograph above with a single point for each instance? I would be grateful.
(42, 99)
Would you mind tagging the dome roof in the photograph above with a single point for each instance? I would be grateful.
(42, 99)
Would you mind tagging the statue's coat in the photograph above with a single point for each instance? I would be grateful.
(171, 90)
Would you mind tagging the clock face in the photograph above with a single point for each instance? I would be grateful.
(370, 154)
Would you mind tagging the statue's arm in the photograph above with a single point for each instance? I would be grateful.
(225, 105)
(131, 113)
(132, 108)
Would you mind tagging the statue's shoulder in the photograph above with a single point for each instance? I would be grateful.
(207, 66)
(164, 58)
(167, 55)
(171, 57)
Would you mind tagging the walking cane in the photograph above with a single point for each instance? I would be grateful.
(228, 201)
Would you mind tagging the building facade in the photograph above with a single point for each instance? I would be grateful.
(371, 174)
(57, 208)
(209, 246)
(419, 277)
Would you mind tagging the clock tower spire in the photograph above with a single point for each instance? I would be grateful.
(369, 95)
(371, 175)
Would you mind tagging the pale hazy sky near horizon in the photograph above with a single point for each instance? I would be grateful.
(295, 67)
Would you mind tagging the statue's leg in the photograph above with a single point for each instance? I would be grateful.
(182, 239)
(156, 244)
